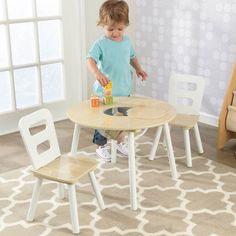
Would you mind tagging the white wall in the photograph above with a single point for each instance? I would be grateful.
(92, 33)
(191, 37)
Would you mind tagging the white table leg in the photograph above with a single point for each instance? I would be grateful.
(75, 140)
(132, 171)
(113, 151)
(170, 151)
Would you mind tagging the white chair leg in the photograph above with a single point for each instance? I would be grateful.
(113, 151)
(155, 143)
(96, 190)
(73, 209)
(170, 151)
(34, 200)
(187, 147)
(198, 139)
(61, 192)
(164, 139)
(164, 142)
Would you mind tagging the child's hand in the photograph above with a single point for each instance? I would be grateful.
(102, 79)
(142, 73)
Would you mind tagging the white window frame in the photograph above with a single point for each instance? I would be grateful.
(73, 20)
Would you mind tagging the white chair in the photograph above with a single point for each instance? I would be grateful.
(185, 94)
(51, 165)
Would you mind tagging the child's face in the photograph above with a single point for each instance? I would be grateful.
(115, 32)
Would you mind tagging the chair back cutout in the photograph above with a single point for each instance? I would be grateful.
(186, 93)
(32, 141)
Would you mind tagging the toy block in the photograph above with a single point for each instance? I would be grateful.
(108, 100)
(94, 101)
(108, 89)
(108, 86)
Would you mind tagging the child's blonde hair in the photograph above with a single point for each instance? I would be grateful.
(114, 12)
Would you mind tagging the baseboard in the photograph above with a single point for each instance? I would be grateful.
(209, 119)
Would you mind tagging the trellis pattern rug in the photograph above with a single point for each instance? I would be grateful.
(201, 202)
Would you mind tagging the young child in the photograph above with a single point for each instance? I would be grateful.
(109, 59)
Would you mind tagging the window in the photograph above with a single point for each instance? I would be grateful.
(31, 54)
(42, 58)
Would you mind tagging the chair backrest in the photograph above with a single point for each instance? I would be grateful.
(32, 141)
(186, 93)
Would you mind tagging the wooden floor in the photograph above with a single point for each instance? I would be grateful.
(13, 154)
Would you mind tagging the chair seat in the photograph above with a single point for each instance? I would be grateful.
(66, 169)
(185, 121)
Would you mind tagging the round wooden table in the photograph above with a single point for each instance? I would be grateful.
(141, 113)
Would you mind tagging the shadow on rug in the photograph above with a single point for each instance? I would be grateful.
(201, 202)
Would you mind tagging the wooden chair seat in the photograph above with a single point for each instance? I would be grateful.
(185, 121)
(66, 169)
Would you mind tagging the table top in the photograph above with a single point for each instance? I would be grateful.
(142, 113)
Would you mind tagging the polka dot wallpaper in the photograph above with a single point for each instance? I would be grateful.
(186, 36)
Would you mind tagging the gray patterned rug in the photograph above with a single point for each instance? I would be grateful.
(201, 202)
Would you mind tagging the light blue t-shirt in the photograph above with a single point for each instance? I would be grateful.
(113, 60)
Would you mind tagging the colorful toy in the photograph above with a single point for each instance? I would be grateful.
(94, 101)
(108, 89)
(108, 99)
